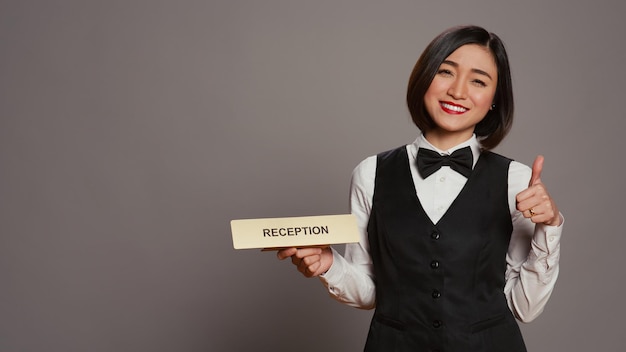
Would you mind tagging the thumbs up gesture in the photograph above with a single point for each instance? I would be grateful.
(535, 202)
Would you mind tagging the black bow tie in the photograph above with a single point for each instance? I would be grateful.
(429, 161)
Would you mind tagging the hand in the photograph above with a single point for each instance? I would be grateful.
(310, 261)
(535, 202)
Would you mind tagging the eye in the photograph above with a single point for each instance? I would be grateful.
(444, 72)
(479, 82)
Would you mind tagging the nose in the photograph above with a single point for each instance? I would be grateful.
(457, 90)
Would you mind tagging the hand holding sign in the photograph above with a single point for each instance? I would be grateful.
(305, 240)
(310, 261)
(535, 202)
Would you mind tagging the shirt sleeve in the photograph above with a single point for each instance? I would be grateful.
(350, 278)
(533, 255)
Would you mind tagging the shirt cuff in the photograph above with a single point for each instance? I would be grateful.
(335, 273)
(548, 238)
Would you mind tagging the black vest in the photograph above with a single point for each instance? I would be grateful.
(439, 287)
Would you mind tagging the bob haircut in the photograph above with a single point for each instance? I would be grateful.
(497, 123)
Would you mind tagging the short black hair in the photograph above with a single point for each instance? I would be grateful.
(498, 121)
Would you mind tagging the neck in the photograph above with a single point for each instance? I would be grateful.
(445, 141)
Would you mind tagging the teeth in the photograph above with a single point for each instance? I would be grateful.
(454, 107)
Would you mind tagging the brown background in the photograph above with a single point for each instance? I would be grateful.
(132, 132)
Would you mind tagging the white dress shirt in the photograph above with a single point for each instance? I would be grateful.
(532, 258)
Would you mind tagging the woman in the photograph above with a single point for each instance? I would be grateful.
(456, 241)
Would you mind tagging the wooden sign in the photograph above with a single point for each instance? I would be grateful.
(272, 233)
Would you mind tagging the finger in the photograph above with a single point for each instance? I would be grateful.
(310, 259)
(546, 218)
(308, 265)
(308, 251)
(535, 177)
(527, 198)
(286, 253)
(312, 269)
(528, 211)
(302, 261)
(536, 204)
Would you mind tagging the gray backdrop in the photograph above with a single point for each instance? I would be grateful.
(132, 132)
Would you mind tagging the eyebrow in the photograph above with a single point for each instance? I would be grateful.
(475, 70)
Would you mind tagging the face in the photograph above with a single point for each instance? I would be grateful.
(460, 95)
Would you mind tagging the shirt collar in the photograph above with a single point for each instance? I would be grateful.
(473, 143)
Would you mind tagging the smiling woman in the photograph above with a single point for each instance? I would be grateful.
(456, 242)
(485, 57)
(460, 95)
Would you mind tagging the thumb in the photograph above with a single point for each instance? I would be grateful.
(535, 177)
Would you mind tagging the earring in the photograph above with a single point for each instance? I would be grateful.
(493, 106)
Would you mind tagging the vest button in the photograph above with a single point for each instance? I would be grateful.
(435, 235)
(434, 264)
(436, 294)
(437, 324)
